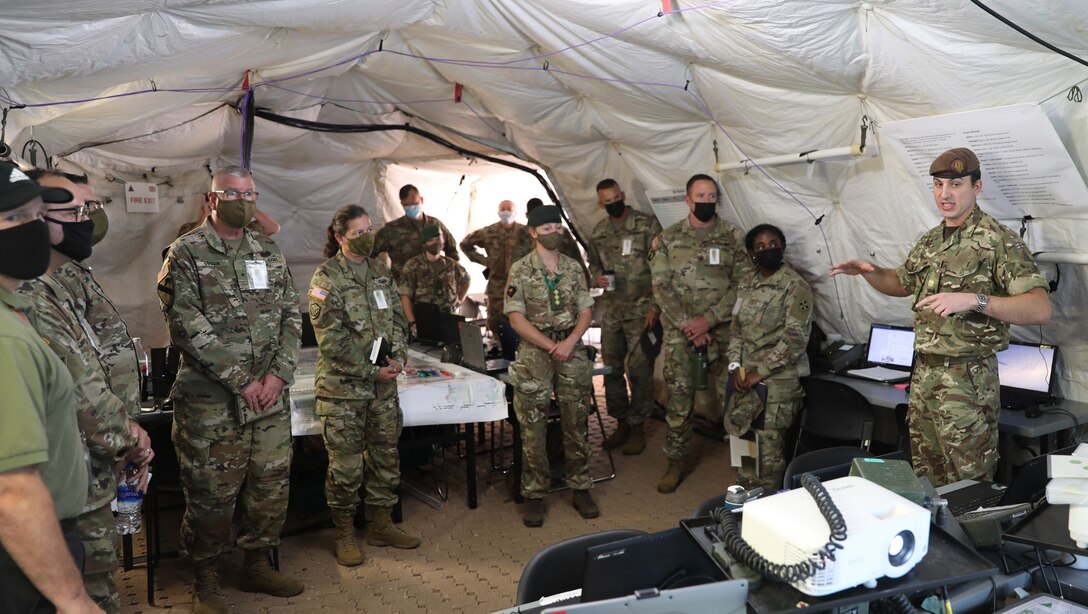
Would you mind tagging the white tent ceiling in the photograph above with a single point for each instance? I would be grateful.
(127, 89)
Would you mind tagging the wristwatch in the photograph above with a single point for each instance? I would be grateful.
(733, 366)
(983, 302)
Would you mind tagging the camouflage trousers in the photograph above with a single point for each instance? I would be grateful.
(535, 376)
(97, 530)
(784, 398)
(495, 316)
(953, 416)
(621, 349)
(361, 438)
(678, 377)
(223, 465)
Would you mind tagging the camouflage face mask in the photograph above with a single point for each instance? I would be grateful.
(362, 245)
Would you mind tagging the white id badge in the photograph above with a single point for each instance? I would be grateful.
(626, 247)
(379, 299)
(737, 305)
(714, 256)
(257, 274)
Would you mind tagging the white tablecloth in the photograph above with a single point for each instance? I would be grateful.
(464, 396)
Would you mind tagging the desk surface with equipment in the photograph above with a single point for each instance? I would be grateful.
(441, 393)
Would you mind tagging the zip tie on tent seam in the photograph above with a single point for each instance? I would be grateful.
(865, 123)
(1024, 225)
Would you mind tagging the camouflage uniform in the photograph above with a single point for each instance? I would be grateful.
(769, 335)
(504, 246)
(104, 424)
(686, 286)
(434, 282)
(361, 418)
(400, 239)
(229, 334)
(954, 393)
(535, 375)
(624, 311)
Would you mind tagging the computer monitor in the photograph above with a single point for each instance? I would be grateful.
(1027, 366)
(891, 346)
(435, 326)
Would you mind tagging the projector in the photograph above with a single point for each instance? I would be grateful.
(886, 535)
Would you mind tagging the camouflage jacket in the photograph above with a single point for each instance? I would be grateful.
(347, 319)
(102, 417)
(503, 246)
(229, 327)
(625, 251)
(528, 293)
(400, 239)
(687, 281)
(770, 328)
(107, 331)
(433, 282)
(981, 257)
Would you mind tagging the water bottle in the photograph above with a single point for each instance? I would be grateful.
(129, 501)
(699, 367)
(145, 369)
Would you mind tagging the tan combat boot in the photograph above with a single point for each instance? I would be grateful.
(207, 594)
(618, 436)
(672, 477)
(259, 577)
(348, 553)
(383, 532)
(636, 441)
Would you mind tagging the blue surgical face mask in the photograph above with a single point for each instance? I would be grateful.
(413, 211)
(506, 216)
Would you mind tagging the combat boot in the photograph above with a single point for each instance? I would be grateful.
(618, 436)
(533, 513)
(584, 503)
(672, 477)
(383, 532)
(259, 577)
(208, 596)
(348, 553)
(636, 441)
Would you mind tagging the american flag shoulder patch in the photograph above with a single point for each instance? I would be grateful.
(319, 293)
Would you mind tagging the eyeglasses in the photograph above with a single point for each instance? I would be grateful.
(250, 195)
(75, 213)
(92, 205)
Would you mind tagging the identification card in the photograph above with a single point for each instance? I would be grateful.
(257, 274)
(714, 256)
(627, 243)
(737, 305)
(379, 299)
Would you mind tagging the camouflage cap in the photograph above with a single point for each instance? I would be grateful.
(548, 214)
(958, 162)
(429, 232)
(16, 189)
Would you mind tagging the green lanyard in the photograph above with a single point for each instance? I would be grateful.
(553, 289)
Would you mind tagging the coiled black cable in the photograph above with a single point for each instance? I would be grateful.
(794, 572)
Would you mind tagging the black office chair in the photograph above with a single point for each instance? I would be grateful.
(835, 412)
(822, 459)
(559, 567)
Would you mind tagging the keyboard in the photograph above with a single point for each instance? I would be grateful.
(880, 374)
(961, 508)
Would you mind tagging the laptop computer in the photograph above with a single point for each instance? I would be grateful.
(1027, 486)
(473, 352)
(891, 354)
(1025, 371)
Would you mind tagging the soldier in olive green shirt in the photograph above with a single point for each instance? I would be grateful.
(970, 278)
(432, 278)
(504, 242)
(400, 237)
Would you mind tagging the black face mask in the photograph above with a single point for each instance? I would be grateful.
(25, 250)
(77, 239)
(704, 212)
(615, 209)
(770, 258)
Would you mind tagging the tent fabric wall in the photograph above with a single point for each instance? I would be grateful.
(583, 89)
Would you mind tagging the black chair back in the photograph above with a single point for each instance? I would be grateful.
(825, 458)
(560, 567)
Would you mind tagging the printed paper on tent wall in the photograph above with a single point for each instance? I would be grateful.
(141, 197)
(1026, 169)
